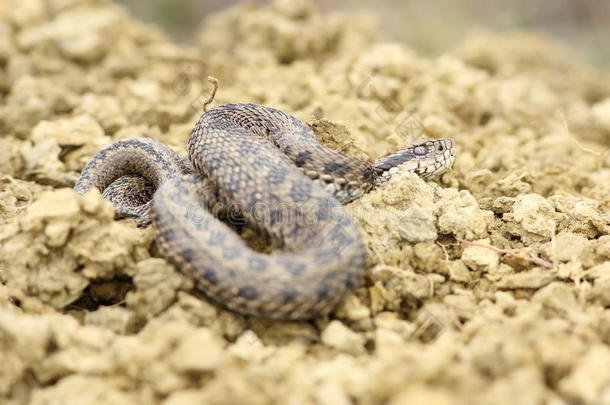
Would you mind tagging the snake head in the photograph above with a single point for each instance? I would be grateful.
(426, 159)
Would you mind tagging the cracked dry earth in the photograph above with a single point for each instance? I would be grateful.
(491, 285)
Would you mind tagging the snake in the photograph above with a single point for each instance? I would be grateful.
(270, 168)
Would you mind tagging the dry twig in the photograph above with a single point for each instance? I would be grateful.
(570, 135)
(212, 94)
(535, 260)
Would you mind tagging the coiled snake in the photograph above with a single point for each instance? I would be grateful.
(295, 196)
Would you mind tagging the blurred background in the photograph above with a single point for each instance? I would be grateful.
(430, 27)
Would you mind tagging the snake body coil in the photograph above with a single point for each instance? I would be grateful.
(294, 194)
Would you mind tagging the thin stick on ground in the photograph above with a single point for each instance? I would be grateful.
(444, 250)
(574, 139)
(212, 94)
(535, 260)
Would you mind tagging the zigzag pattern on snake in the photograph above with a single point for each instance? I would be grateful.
(270, 167)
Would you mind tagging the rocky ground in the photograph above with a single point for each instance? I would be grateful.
(491, 285)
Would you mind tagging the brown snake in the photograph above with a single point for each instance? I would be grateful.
(269, 166)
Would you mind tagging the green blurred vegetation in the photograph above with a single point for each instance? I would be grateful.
(431, 27)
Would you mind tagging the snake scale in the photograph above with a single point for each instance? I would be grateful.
(269, 166)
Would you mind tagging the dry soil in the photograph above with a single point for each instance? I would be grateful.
(489, 286)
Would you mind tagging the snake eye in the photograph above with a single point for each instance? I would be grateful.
(420, 150)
